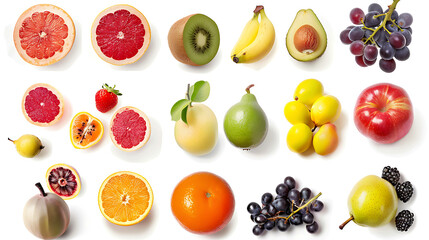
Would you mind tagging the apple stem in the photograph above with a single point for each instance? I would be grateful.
(347, 221)
(187, 94)
(249, 87)
(42, 191)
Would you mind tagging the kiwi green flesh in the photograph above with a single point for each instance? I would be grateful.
(201, 39)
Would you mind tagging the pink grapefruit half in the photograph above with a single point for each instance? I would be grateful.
(129, 129)
(42, 105)
(44, 34)
(120, 34)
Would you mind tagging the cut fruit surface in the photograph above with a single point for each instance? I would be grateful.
(129, 128)
(125, 198)
(44, 34)
(85, 130)
(63, 180)
(42, 105)
(120, 34)
(194, 40)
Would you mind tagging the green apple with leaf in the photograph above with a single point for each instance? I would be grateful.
(196, 129)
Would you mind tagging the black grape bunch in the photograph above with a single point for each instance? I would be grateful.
(379, 33)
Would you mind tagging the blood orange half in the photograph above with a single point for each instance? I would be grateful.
(42, 105)
(44, 34)
(63, 180)
(129, 129)
(120, 34)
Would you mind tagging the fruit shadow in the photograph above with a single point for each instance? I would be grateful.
(226, 231)
(147, 59)
(71, 57)
(269, 145)
(149, 151)
(142, 228)
(212, 65)
(264, 61)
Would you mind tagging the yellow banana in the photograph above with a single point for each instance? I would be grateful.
(248, 35)
(262, 44)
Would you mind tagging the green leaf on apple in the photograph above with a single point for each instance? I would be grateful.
(176, 110)
(199, 92)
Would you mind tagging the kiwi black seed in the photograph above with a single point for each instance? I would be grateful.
(201, 39)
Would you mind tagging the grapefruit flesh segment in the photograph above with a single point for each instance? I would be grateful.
(85, 130)
(130, 129)
(44, 34)
(120, 34)
(42, 105)
(123, 40)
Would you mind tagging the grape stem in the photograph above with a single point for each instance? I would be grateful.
(388, 17)
(297, 210)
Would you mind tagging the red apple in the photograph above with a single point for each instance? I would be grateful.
(384, 113)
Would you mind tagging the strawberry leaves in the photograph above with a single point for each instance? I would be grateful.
(199, 92)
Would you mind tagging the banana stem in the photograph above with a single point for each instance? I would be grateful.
(258, 8)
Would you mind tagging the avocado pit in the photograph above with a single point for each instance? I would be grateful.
(306, 39)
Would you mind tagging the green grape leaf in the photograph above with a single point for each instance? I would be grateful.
(200, 91)
(184, 115)
(176, 110)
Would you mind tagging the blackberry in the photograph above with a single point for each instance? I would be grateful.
(404, 220)
(404, 191)
(391, 175)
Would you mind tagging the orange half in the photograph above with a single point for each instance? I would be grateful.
(125, 198)
(85, 130)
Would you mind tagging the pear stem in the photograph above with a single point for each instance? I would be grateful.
(347, 221)
(187, 95)
(249, 87)
(42, 192)
(10, 140)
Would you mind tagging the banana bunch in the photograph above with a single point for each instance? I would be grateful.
(256, 40)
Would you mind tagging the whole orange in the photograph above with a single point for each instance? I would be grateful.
(203, 203)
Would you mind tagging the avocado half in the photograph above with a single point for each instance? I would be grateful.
(306, 39)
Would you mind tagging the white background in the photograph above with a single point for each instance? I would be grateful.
(157, 80)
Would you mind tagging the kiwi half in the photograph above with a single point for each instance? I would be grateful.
(194, 40)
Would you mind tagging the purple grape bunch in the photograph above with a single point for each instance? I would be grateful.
(385, 34)
(290, 206)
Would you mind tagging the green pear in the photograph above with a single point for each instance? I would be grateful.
(245, 123)
(372, 202)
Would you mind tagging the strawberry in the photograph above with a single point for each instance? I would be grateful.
(106, 98)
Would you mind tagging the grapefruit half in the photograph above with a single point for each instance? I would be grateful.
(44, 34)
(129, 129)
(120, 34)
(85, 130)
(42, 105)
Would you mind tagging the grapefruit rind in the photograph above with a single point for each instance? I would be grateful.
(91, 118)
(73, 171)
(147, 36)
(150, 200)
(147, 134)
(55, 92)
(68, 42)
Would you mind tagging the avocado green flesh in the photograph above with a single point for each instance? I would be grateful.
(306, 17)
(201, 39)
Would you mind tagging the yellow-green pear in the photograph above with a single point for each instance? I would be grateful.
(372, 202)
